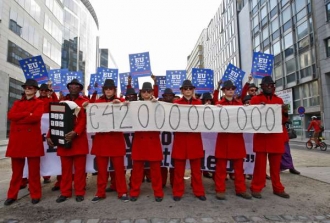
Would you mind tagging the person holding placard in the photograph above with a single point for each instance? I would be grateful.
(25, 141)
(188, 145)
(230, 146)
(146, 146)
(269, 145)
(110, 145)
(75, 157)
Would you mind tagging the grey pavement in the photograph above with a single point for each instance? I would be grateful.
(309, 202)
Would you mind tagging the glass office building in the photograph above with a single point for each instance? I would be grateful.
(63, 32)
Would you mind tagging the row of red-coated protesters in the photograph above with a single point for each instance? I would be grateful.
(25, 142)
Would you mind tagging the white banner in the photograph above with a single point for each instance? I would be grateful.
(51, 164)
(161, 116)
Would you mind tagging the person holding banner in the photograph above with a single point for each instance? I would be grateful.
(146, 146)
(25, 141)
(230, 146)
(267, 144)
(168, 96)
(75, 157)
(187, 146)
(110, 145)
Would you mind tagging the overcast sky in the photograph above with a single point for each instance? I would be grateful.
(168, 30)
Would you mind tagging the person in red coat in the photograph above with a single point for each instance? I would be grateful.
(230, 146)
(25, 141)
(146, 146)
(267, 144)
(187, 145)
(109, 144)
(315, 124)
(75, 157)
(47, 95)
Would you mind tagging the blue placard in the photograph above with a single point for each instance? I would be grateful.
(236, 75)
(55, 76)
(202, 79)
(108, 73)
(139, 63)
(161, 82)
(301, 110)
(123, 77)
(174, 79)
(34, 68)
(68, 77)
(262, 64)
(92, 84)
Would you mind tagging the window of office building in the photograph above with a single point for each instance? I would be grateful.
(305, 60)
(23, 29)
(56, 9)
(53, 29)
(301, 14)
(327, 47)
(274, 25)
(278, 73)
(300, 4)
(256, 40)
(290, 66)
(302, 30)
(286, 15)
(272, 4)
(277, 48)
(16, 53)
(284, 2)
(265, 33)
(311, 94)
(31, 7)
(296, 97)
(327, 9)
(263, 12)
(288, 40)
(255, 21)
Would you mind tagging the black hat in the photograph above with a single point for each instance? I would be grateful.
(228, 84)
(247, 98)
(44, 87)
(31, 82)
(267, 80)
(75, 81)
(187, 83)
(109, 83)
(207, 96)
(168, 91)
(130, 91)
(147, 86)
(253, 85)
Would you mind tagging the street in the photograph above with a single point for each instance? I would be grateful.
(309, 201)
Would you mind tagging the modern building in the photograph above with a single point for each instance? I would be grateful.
(296, 32)
(63, 32)
(106, 59)
(196, 58)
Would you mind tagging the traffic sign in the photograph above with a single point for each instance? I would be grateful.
(302, 115)
(301, 110)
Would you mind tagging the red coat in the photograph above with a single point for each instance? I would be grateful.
(230, 145)
(187, 145)
(25, 138)
(146, 146)
(267, 142)
(315, 124)
(48, 100)
(79, 143)
(108, 143)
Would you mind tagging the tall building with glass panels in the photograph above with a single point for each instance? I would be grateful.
(43, 27)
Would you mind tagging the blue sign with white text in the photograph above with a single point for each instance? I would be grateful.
(234, 74)
(68, 77)
(123, 78)
(55, 76)
(91, 85)
(34, 68)
(139, 63)
(174, 79)
(202, 79)
(161, 82)
(262, 64)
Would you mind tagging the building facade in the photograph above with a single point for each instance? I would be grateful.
(43, 27)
